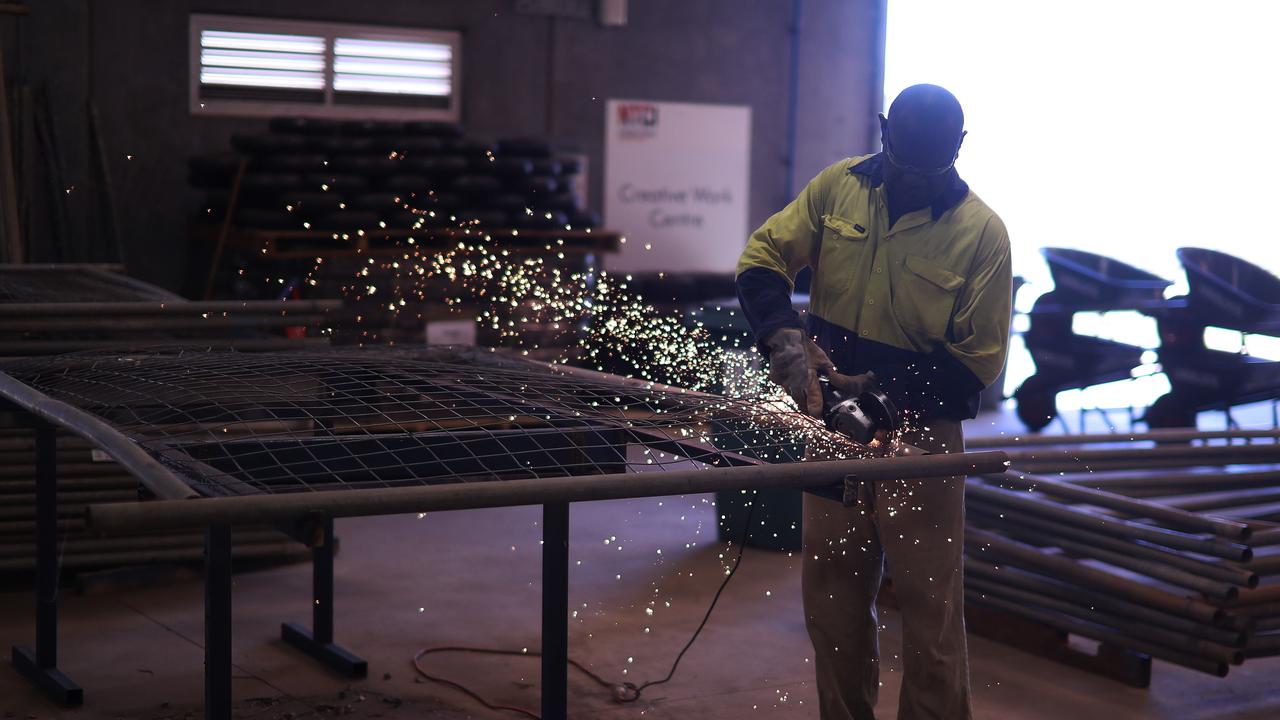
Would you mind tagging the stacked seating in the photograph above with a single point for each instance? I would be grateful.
(334, 176)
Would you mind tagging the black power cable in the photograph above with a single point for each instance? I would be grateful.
(622, 692)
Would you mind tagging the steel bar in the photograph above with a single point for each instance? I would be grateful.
(1099, 633)
(1215, 546)
(1173, 576)
(986, 544)
(1081, 458)
(74, 484)
(157, 478)
(1048, 530)
(1189, 482)
(46, 546)
(1166, 436)
(1262, 538)
(41, 665)
(217, 623)
(1268, 625)
(26, 500)
(101, 323)
(1223, 499)
(1257, 596)
(1174, 517)
(185, 308)
(67, 470)
(1005, 575)
(26, 348)
(1178, 642)
(1268, 609)
(318, 641)
(91, 545)
(1266, 645)
(555, 611)
(283, 550)
(271, 509)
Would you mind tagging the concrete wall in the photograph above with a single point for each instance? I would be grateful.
(523, 76)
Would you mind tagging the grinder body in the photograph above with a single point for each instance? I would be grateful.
(860, 416)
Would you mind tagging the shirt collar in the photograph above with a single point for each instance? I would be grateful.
(872, 168)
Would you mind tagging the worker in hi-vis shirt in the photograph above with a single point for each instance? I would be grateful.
(911, 281)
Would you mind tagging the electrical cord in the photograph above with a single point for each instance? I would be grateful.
(625, 692)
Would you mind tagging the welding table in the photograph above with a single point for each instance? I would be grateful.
(299, 439)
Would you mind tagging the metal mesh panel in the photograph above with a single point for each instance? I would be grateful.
(75, 284)
(231, 423)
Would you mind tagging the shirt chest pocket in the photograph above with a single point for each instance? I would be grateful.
(924, 296)
(843, 243)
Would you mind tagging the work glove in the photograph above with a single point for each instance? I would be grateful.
(795, 362)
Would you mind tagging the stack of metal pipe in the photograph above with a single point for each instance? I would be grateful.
(1164, 543)
(86, 477)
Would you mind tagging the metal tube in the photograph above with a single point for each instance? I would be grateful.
(282, 550)
(1268, 609)
(26, 500)
(985, 544)
(90, 545)
(1045, 529)
(1080, 457)
(1162, 481)
(25, 348)
(322, 586)
(73, 484)
(1125, 626)
(217, 623)
(1110, 526)
(1101, 634)
(156, 477)
(1171, 516)
(1154, 570)
(1258, 596)
(114, 309)
(47, 571)
(272, 509)
(1013, 577)
(163, 322)
(1262, 538)
(555, 611)
(1223, 499)
(1166, 436)
(87, 469)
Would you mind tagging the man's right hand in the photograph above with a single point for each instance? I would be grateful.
(795, 363)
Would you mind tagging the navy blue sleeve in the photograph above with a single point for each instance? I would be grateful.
(765, 297)
(957, 384)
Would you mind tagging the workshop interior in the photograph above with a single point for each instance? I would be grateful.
(831, 359)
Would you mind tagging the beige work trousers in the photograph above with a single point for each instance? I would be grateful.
(918, 527)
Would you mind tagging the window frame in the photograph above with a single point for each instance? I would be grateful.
(330, 31)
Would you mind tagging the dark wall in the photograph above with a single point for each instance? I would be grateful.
(523, 75)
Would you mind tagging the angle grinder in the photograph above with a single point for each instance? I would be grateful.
(858, 417)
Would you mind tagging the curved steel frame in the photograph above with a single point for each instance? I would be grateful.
(217, 515)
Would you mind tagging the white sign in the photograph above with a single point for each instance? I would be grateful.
(676, 183)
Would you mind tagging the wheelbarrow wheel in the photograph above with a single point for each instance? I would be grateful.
(1037, 404)
(1170, 411)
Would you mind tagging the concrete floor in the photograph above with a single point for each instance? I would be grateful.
(472, 578)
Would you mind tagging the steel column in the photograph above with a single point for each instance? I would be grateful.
(318, 641)
(555, 611)
(41, 665)
(217, 623)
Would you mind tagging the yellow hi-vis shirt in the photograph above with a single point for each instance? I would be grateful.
(925, 303)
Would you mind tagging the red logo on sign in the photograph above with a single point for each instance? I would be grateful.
(638, 115)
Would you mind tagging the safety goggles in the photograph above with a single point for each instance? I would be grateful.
(914, 170)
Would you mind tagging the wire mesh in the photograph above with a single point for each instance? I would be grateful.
(229, 423)
(24, 284)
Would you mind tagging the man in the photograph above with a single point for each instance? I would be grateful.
(911, 281)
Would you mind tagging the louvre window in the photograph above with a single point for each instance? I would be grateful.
(255, 66)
